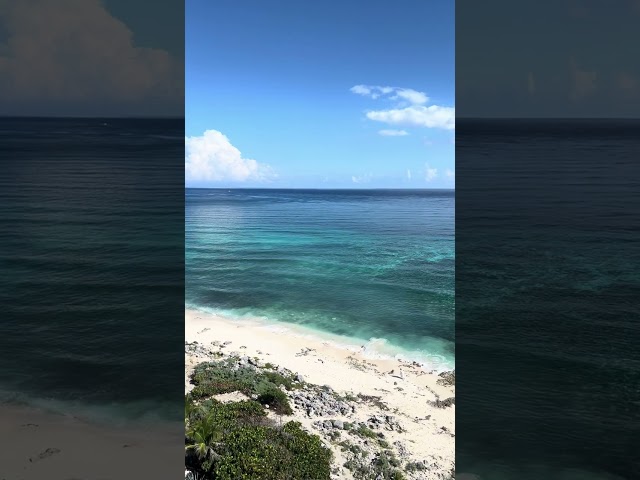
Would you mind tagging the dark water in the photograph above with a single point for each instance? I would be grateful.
(375, 267)
(91, 255)
(547, 289)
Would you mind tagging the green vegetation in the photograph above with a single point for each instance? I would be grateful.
(415, 467)
(373, 400)
(237, 440)
(365, 432)
(384, 466)
(226, 376)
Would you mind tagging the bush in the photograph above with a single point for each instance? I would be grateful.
(415, 467)
(236, 440)
(276, 399)
(263, 452)
(215, 378)
(383, 466)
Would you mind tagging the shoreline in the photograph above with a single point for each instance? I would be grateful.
(420, 404)
(58, 447)
(376, 348)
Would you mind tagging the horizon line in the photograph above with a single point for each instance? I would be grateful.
(543, 118)
(314, 188)
(110, 117)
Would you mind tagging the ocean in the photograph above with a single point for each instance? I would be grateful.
(361, 267)
(92, 259)
(547, 289)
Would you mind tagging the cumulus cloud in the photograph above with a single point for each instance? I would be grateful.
(371, 91)
(410, 109)
(212, 157)
(393, 133)
(414, 97)
(433, 116)
(75, 51)
(430, 173)
(376, 91)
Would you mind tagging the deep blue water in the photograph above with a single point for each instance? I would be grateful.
(374, 266)
(547, 289)
(91, 236)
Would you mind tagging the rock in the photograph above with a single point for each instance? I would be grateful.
(443, 403)
(255, 362)
(447, 378)
(299, 378)
(338, 424)
(401, 448)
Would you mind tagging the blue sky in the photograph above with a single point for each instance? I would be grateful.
(320, 94)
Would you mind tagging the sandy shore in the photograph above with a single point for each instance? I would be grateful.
(427, 432)
(39, 445)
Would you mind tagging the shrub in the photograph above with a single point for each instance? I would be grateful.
(415, 467)
(276, 399)
(261, 452)
(365, 432)
(236, 440)
(215, 378)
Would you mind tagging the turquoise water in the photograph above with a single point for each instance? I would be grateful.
(375, 267)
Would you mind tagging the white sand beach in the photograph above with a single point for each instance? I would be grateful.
(419, 431)
(38, 445)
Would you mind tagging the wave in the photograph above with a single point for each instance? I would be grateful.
(140, 413)
(433, 353)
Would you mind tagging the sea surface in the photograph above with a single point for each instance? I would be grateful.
(547, 289)
(92, 261)
(363, 267)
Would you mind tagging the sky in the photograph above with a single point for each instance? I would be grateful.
(91, 58)
(328, 94)
(548, 58)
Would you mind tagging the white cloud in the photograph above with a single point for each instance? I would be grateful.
(393, 133)
(361, 179)
(371, 91)
(361, 90)
(433, 116)
(76, 51)
(430, 173)
(413, 96)
(212, 157)
(376, 91)
(410, 109)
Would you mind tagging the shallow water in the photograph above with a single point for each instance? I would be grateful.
(374, 266)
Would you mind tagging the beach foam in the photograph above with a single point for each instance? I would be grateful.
(431, 357)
